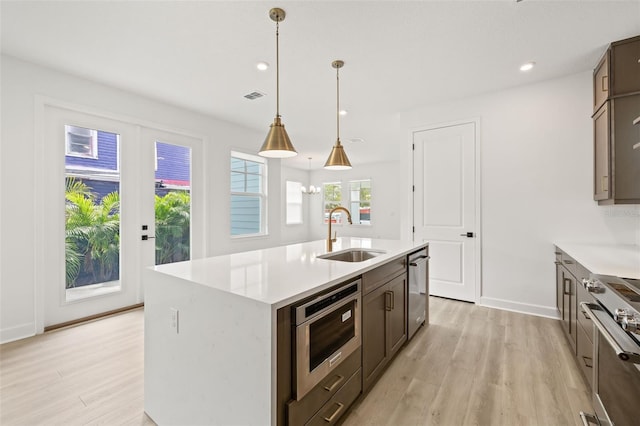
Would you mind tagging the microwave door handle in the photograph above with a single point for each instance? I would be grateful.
(624, 355)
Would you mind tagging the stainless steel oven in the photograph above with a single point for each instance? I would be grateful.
(327, 331)
(616, 347)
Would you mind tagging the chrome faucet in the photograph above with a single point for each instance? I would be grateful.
(330, 240)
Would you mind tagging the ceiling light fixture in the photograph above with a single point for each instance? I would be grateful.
(277, 143)
(262, 66)
(338, 159)
(313, 190)
(528, 66)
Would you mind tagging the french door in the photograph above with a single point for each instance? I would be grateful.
(446, 212)
(105, 180)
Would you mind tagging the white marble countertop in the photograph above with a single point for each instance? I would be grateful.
(281, 275)
(618, 260)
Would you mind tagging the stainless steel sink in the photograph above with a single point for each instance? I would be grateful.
(352, 255)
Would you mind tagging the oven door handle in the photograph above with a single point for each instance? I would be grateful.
(625, 348)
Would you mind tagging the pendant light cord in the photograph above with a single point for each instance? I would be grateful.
(337, 104)
(277, 69)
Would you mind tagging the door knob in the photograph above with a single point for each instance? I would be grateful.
(468, 235)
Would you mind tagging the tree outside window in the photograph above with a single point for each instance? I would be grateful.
(332, 198)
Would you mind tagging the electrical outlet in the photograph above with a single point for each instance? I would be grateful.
(174, 319)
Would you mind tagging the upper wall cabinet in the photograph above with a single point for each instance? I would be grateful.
(616, 101)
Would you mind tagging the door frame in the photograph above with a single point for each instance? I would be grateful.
(478, 195)
(41, 102)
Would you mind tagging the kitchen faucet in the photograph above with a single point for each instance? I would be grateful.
(330, 240)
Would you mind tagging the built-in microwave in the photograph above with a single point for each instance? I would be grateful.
(327, 331)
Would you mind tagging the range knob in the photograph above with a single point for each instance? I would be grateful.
(621, 314)
(631, 324)
(592, 286)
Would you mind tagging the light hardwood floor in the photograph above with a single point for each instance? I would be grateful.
(471, 366)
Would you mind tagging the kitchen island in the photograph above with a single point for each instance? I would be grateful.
(211, 326)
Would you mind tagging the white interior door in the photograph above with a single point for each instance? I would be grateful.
(445, 207)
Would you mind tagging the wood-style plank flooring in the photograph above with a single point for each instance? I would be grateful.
(471, 366)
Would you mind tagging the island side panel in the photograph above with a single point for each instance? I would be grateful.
(217, 369)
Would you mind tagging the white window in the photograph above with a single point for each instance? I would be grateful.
(332, 198)
(81, 142)
(248, 195)
(294, 203)
(360, 201)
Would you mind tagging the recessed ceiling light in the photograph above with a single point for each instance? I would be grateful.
(527, 67)
(262, 66)
(344, 112)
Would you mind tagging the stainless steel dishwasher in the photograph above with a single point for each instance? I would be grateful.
(418, 265)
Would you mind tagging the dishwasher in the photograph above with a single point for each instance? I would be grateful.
(418, 265)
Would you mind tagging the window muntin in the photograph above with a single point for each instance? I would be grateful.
(248, 195)
(81, 142)
(294, 203)
(360, 201)
(332, 197)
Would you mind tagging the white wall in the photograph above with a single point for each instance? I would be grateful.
(386, 206)
(536, 166)
(21, 84)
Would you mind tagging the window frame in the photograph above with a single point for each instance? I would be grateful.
(263, 195)
(298, 185)
(359, 201)
(325, 220)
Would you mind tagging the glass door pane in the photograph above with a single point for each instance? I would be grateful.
(172, 203)
(92, 212)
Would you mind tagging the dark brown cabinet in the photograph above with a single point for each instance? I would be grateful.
(384, 322)
(566, 285)
(577, 326)
(616, 100)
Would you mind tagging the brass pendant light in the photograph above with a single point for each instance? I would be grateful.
(338, 159)
(277, 143)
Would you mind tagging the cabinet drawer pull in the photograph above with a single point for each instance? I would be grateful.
(557, 263)
(568, 262)
(604, 183)
(585, 315)
(387, 300)
(564, 286)
(335, 413)
(604, 85)
(588, 362)
(338, 379)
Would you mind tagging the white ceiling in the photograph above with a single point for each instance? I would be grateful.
(398, 55)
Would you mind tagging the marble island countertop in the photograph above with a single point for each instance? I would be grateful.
(618, 260)
(280, 275)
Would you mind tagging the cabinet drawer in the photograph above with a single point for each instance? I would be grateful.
(570, 264)
(583, 319)
(333, 410)
(300, 411)
(383, 274)
(585, 355)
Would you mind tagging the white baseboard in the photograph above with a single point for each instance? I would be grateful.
(18, 332)
(524, 308)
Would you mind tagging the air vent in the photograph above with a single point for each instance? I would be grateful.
(254, 95)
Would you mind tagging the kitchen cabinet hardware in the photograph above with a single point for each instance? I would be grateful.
(335, 413)
(568, 262)
(468, 235)
(146, 237)
(336, 382)
(588, 362)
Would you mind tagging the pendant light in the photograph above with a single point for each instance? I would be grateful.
(277, 143)
(338, 158)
